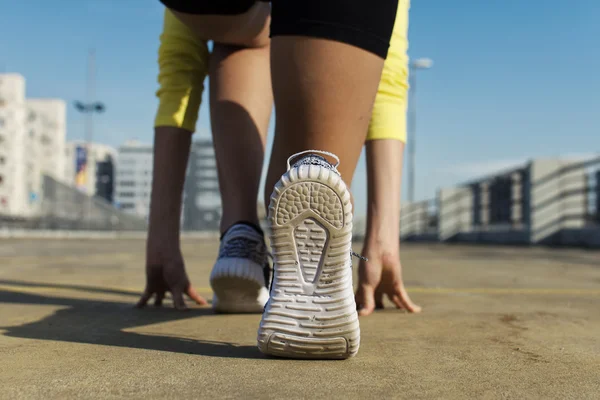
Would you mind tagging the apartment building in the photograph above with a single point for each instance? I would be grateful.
(14, 191)
(46, 122)
(32, 138)
(134, 178)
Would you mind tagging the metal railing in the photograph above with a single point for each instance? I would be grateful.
(65, 208)
(419, 220)
(523, 204)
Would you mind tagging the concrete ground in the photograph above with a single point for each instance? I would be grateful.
(498, 322)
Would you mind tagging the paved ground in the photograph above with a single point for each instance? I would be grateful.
(497, 323)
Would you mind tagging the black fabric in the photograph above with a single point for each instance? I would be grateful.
(257, 228)
(358, 23)
(209, 7)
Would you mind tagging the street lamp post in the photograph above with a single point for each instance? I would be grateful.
(420, 63)
(88, 108)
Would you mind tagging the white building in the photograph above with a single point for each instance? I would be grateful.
(46, 121)
(14, 196)
(134, 178)
(98, 152)
(32, 138)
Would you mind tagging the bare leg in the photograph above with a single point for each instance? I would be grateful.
(324, 93)
(240, 105)
(382, 274)
(241, 102)
(316, 107)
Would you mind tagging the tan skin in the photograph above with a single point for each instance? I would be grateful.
(240, 108)
(381, 276)
(165, 269)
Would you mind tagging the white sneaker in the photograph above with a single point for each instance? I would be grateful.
(311, 312)
(241, 274)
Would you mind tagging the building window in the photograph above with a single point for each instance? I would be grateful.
(207, 173)
(127, 194)
(126, 183)
(2, 160)
(1, 180)
(206, 163)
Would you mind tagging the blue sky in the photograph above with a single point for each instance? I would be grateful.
(511, 80)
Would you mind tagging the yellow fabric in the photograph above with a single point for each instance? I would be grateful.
(183, 63)
(388, 120)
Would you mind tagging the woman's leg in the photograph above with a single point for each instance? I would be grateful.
(326, 62)
(241, 101)
(241, 97)
(325, 66)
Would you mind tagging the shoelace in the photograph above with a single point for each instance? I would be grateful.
(337, 159)
(359, 256)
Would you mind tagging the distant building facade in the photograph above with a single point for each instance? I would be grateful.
(32, 136)
(201, 207)
(14, 199)
(86, 164)
(105, 179)
(201, 198)
(134, 178)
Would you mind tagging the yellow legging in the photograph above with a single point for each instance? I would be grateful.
(183, 65)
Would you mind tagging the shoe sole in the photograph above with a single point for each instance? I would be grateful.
(238, 286)
(311, 312)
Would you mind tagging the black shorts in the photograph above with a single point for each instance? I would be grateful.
(211, 7)
(356, 22)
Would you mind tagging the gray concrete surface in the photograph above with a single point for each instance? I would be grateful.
(497, 323)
